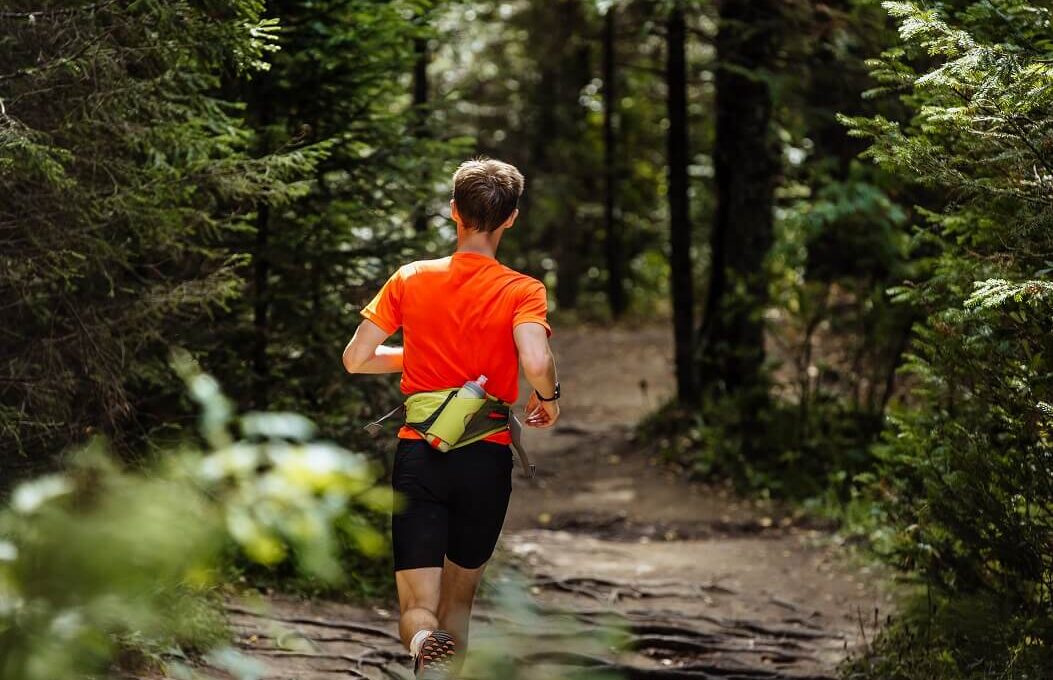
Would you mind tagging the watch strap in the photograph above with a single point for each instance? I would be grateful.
(554, 397)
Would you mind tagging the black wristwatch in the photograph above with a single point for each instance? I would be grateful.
(554, 396)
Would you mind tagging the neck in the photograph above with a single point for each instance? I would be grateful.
(478, 242)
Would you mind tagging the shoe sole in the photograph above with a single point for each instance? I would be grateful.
(436, 653)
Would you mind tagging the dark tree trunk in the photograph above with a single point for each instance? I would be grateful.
(261, 310)
(682, 281)
(420, 106)
(420, 80)
(614, 248)
(261, 370)
(571, 71)
(564, 68)
(746, 162)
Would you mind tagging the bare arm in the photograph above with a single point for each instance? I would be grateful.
(539, 368)
(365, 354)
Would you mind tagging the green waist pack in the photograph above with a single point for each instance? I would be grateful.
(448, 421)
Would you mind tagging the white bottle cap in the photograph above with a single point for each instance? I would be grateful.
(481, 380)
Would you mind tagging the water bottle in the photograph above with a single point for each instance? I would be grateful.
(448, 427)
(473, 388)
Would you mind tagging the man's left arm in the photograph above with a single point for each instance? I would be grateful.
(366, 354)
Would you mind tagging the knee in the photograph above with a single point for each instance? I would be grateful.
(419, 590)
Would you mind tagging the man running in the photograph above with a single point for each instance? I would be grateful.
(462, 316)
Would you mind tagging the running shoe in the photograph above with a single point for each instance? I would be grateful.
(435, 660)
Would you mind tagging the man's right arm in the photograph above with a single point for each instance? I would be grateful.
(383, 316)
(365, 354)
(539, 368)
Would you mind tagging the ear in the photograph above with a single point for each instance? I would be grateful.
(511, 219)
(454, 215)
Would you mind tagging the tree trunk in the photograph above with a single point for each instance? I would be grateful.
(746, 162)
(420, 106)
(261, 259)
(681, 278)
(572, 71)
(260, 311)
(614, 249)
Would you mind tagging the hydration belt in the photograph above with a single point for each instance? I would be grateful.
(448, 422)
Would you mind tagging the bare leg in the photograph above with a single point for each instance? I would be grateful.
(418, 600)
(455, 605)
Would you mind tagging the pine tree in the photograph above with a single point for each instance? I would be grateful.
(342, 79)
(966, 475)
(122, 172)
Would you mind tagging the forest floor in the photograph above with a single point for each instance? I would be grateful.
(702, 583)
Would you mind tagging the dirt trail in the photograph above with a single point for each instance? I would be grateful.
(706, 585)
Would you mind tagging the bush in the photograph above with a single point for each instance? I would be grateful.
(96, 561)
(977, 636)
(965, 478)
(965, 481)
(782, 450)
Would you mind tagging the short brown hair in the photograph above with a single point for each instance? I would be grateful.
(486, 192)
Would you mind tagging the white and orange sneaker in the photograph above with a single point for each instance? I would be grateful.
(434, 661)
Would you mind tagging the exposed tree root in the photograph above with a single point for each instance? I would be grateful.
(314, 621)
(358, 660)
(686, 672)
(610, 590)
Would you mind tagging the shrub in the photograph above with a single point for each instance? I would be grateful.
(96, 560)
(966, 472)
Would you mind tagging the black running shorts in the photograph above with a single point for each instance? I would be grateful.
(453, 503)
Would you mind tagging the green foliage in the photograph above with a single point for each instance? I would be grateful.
(188, 173)
(340, 80)
(835, 332)
(965, 472)
(972, 476)
(96, 559)
(193, 173)
(988, 638)
(784, 450)
(122, 172)
(529, 78)
(965, 482)
(832, 337)
(95, 553)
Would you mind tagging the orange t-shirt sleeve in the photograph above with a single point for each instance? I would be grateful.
(533, 307)
(385, 309)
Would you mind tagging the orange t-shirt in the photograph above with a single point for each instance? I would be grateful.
(457, 315)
